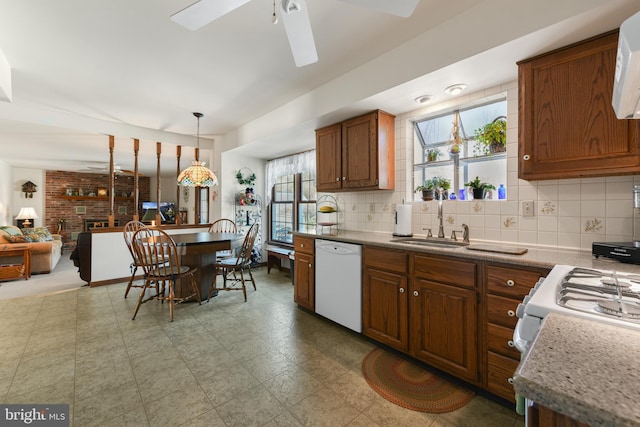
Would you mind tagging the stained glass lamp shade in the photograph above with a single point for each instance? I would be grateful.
(197, 175)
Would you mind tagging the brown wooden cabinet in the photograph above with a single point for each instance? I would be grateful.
(541, 416)
(304, 293)
(505, 288)
(385, 316)
(566, 125)
(357, 154)
(444, 315)
(428, 310)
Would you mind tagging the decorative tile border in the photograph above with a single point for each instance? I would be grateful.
(592, 225)
(509, 222)
(549, 208)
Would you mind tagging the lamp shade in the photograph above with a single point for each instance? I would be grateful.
(150, 215)
(27, 213)
(197, 175)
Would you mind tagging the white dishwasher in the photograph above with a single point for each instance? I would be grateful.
(339, 283)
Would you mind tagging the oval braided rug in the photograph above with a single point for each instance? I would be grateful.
(410, 386)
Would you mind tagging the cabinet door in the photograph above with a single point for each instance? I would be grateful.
(329, 158)
(567, 127)
(360, 152)
(384, 308)
(304, 280)
(443, 327)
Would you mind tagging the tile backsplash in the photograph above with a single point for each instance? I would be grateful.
(568, 213)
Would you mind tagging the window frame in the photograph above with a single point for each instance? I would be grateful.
(295, 207)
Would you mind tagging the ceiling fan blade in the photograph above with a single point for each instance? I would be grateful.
(402, 8)
(202, 12)
(295, 18)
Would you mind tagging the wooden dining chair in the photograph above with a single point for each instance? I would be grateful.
(223, 225)
(129, 230)
(228, 267)
(160, 260)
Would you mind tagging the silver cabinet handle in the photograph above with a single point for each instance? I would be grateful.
(526, 157)
(344, 178)
(511, 313)
(337, 178)
(402, 290)
(510, 282)
(510, 380)
(302, 245)
(510, 343)
(415, 293)
(310, 265)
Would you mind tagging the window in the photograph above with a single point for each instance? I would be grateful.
(293, 196)
(438, 134)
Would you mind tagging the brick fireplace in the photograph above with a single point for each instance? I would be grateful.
(84, 203)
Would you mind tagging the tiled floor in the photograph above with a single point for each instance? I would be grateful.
(224, 363)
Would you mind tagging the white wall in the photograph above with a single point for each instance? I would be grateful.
(18, 200)
(6, 193)
(569, 213)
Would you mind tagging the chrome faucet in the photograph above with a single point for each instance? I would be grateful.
(464, 231)
(440, 227)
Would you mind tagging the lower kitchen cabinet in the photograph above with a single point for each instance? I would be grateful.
(385, 316)
(541, 416)
(384, 308)
(432, 321)
(444, 321)
(304, 290)
(505, 288)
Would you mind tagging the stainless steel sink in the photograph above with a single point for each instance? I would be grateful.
(429, 241)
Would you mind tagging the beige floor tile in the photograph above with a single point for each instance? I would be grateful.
(156, 380)
(362, 421)
(58, 392)
(178, 407)
(387, 414)
(228, 384)
(293, 385)
(208, 419)
(285, 419)
(28, 380)
(324, 368)
(479, 412)
(134, 418)
(324, 408)
(253, 408)
(268, 365)
(106, 405)
(354, 389)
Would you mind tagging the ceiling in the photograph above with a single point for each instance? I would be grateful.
(84, 69)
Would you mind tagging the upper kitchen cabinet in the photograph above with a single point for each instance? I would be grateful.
(357, 154)
(566, 124)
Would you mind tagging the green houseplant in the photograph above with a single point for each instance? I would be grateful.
(479, 188)
(433, 154)
(491, 138)
(432, 186)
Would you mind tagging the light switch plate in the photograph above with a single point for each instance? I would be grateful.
(527, 208)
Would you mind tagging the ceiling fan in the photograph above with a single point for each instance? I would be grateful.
(295, 18)
(116, 169)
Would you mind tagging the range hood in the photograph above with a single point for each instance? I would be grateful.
(626, 85)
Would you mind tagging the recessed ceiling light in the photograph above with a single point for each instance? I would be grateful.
(423, 99)
(455, 89)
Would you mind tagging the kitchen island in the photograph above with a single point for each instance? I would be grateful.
(585, 370)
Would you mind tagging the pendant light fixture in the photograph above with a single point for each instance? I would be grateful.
(197, 175)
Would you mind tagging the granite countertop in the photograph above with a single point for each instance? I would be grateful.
(534, 257)
(584, 369)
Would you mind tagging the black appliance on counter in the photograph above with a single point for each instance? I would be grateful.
(622, 251)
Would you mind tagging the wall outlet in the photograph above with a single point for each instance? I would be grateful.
(527, 209)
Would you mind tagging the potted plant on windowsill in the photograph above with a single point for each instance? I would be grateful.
(433, 154)
(428, 192)
(491, 138)
(441, 184)
(479, 188)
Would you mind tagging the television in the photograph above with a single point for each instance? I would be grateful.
(167, 209)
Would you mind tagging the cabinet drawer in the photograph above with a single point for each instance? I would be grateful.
(382, 259)
(510, 281)
(500, 370)
(304, 244)
(502, 311)
(451, 271)
(498, 339)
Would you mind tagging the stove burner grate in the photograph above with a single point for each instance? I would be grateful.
(614, 308)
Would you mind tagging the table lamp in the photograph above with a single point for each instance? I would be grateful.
(27, 214)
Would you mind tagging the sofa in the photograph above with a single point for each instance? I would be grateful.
(46, 248)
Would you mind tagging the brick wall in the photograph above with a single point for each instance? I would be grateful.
(58, 206)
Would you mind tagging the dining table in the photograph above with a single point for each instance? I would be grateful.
(199, 250)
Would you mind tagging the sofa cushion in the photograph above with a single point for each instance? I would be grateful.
(10, 230)
(38, 234)
(19, 239)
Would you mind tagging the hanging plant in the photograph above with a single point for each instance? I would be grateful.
(246, 180)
